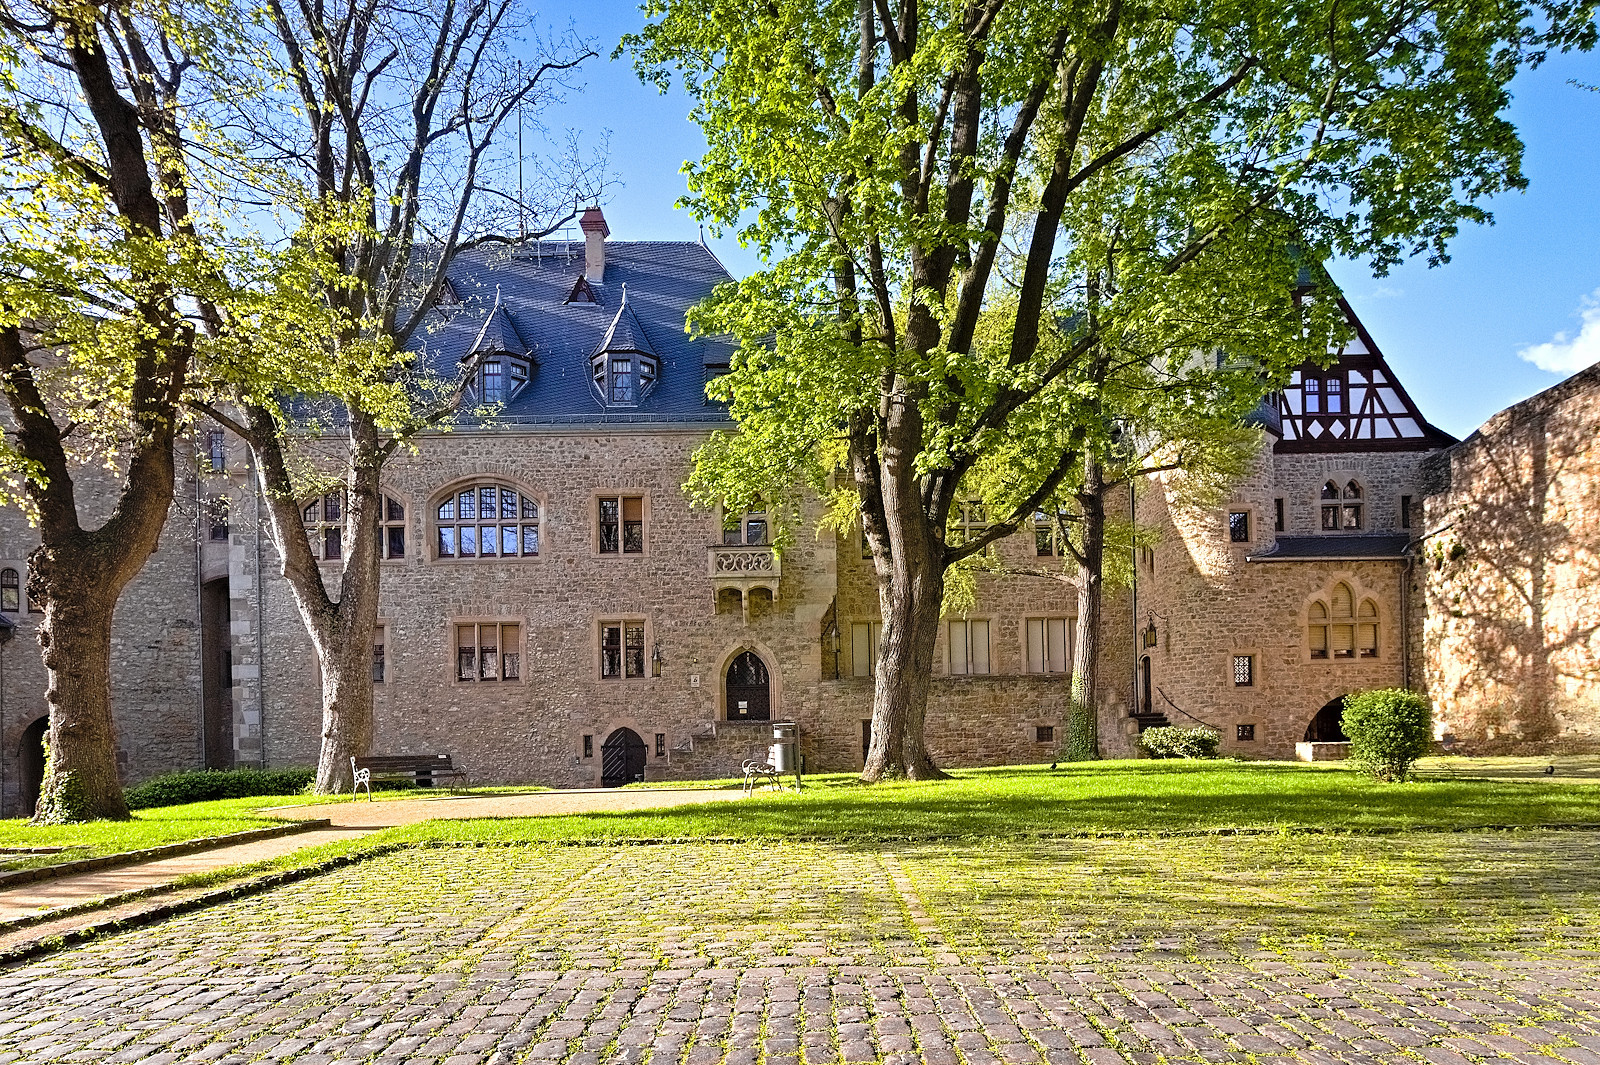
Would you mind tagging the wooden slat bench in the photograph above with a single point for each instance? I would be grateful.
(423, 769)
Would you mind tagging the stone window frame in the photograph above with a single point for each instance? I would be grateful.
(966, 621)
(1244, 732)
(645, 517)
(481, 620)
(382, 631)
(740, 525)
(1319, 614)
(874, 633)
(385, 523)
(1359, 501)
(20, 568)
(1044, 734)
(1250, 524)
(1251, 672)
(453, 489)
(622, 619)
(1047, 535)
(1069, 627)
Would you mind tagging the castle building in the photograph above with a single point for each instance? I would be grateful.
(554, 610)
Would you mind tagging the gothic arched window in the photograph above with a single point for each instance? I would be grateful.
(10, 591)
(1341, 506)
(1339, 628)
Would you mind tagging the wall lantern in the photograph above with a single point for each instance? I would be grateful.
(1150, 633)
(656, 660)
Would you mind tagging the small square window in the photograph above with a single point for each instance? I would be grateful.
(1239, 526)
(1244, 733)
(1244, 670)
(661, 745)
(1044, 734)
(588, 746)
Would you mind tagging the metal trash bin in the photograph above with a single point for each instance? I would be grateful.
(784, 754)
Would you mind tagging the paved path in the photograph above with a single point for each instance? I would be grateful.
(391, 812)
(1211, 952)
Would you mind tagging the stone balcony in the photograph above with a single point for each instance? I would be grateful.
(743, 568)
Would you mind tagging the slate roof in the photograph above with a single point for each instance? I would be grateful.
(1335, 548)
(515, 300)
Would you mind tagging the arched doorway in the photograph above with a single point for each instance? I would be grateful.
(621, 759)
(749, 689)
(30, 758)
(1147, 700)
(1327, 726)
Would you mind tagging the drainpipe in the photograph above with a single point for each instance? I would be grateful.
(1133, 688)
(6, 632)
(200, 609)
(261, 634)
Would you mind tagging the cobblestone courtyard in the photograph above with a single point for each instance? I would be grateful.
(1436, 948)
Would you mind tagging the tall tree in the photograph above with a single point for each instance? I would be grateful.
(962, 204)
(395, 140)
(110, 280)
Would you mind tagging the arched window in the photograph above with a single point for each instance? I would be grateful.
(324, 521)
(488, 521)
(1318, 626)
(1337, 629)
(10, 591)
(1367, 630)
(1341, 507)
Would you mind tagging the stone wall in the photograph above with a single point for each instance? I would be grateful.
(1210, 602)
(1511, 616)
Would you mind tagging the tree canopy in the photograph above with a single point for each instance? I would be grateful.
(979, 215)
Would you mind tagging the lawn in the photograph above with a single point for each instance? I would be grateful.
(1103, 797)
(148, 828)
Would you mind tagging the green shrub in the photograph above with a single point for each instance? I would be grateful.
(202, 785)
(1389, 729)
(1174, 742)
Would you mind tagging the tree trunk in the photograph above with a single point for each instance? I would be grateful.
(346, 662)
(905, 665)
(81, 781)
(1083, 733)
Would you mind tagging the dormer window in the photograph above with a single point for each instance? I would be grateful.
(500, 378)
(624, 365)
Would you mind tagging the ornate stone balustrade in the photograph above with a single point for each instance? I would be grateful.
(743, 568)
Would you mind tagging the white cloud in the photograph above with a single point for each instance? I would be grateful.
(1567, 354)
(1387, 292)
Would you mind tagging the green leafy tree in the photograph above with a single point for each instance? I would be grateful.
(114, 278)
(964, 205)
(1389, 729)
(393, 120)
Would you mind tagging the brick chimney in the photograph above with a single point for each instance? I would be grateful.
(595, 232)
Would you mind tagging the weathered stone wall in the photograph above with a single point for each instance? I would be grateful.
(155, 649)
(1209, 602)
(1511, 616)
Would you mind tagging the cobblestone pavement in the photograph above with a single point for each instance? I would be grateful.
(1444, 949)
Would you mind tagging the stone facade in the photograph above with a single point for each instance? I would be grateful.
(214, 667)
(1511, 619)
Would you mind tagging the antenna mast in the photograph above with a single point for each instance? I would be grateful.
(522, 203)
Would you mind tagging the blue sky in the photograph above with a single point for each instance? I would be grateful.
(1453, 333)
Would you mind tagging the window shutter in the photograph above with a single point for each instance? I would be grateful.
(1060, 656)
(959, 662)
(1036, 645)
(978, 637)
(861, 649)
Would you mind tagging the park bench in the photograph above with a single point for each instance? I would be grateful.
(423, 769)
(758, 772)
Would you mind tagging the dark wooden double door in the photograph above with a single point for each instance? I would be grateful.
(749, 689)
(622, 759)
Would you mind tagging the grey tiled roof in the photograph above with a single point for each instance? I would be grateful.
(515, 300)
(1334, 548)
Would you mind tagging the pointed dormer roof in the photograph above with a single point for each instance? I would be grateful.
(499, 333)
(625, 333)
(1355, 404)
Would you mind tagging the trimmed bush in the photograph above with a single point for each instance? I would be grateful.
(202, 785)
(1174, 742)
(1389, 729)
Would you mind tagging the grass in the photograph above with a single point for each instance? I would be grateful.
(1109, 797)
(147, 828)
(1104, 797)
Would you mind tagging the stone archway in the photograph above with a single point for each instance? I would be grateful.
(30, 760)
(749, 688)
(1327, 726)
(622, 759)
